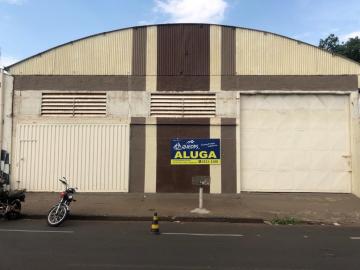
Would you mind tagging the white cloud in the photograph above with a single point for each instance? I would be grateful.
(13, 2)
(7, 60)
(350, 35)
(192, 11)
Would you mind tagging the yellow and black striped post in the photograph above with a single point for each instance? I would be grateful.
(155, 224)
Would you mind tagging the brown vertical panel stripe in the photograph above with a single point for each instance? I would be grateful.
(184, 51)
(137, 155)
(177, 178)
(228, 53)
(228, 57)
(139, 58)
(171, 49)
(228, 155)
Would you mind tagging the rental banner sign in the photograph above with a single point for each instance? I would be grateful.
(195, 152)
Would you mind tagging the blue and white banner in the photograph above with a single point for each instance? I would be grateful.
(195, 152)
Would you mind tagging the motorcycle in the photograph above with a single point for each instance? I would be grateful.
(60, 211)
(10, 202)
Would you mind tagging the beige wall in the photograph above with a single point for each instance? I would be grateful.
(121, 104)
(7, 95)
(355, 142)
(215, 170)
(128, 104)
(226, 104)
(150, 156)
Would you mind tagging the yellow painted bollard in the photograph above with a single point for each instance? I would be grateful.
(155, 224)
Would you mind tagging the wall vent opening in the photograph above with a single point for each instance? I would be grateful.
(73, 104)
(183, 105)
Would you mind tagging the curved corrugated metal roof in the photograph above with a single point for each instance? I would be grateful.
(120, 29)
(89, 38)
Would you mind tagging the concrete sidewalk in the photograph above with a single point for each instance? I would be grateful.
(244, 207)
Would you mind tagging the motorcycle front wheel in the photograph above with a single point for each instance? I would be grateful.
(57, 216)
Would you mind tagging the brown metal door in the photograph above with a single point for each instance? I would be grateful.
(177, 178)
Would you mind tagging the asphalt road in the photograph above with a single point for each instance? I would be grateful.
(31, 244)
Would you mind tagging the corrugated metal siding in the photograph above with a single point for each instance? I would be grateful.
(261, 53)
(183, 50)
(170, 50)
(228, 59)
(151, 58)
(139, 51)
(94, 157)
(215, 50)
(107, 54)
(215, 57)
(197, 50)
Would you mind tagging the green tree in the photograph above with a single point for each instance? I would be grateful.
(331, 43)
(350, 48)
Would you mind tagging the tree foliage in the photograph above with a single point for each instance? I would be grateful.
(331, 43)
(350, 48)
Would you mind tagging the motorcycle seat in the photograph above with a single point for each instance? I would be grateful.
(16, 194)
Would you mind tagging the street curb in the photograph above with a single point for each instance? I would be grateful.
(149, 218)
(184, 219)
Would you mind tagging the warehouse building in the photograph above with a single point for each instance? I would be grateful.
(133, 110)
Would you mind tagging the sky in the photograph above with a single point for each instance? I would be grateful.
(28, 27)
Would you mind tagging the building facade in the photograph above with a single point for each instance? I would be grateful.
(103, 111)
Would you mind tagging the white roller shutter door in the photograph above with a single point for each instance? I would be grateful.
(295, 143)
(94, 157)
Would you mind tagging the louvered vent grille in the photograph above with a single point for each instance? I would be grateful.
(73, 104)
(183, 105)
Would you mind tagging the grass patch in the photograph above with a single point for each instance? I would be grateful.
(285, 221)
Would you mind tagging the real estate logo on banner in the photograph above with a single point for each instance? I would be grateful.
(195, 152)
